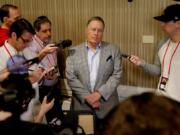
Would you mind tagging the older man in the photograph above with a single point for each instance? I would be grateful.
(93, 70)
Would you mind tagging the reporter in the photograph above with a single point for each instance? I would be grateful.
(41, 46)
(21, 32)
(166, 64)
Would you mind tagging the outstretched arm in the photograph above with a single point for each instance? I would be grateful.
(154, 69)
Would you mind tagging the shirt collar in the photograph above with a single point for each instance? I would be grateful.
(38, 39)
(97, 47)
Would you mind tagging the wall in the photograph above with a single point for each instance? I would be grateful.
(125, 25)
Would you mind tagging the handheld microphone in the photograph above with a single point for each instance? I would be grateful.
(32, 61)
(64, 43)
(126, 56)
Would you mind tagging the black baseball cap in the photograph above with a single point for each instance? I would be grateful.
(171, 13)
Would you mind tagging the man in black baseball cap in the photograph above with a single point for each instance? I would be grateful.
(167, 62)
(171, 13)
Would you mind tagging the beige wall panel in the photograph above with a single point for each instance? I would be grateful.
(126, 23)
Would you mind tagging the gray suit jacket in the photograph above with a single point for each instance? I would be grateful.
(108, 77)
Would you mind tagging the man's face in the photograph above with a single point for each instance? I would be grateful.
(14, 14)
(170, 27)
(94, 32)
(22, 41)
(45, 32)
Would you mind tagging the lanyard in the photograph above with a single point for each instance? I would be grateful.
(171, 57)
(42, 46)
(9, 53)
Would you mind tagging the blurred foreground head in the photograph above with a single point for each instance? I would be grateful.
(145, 114)
(15, 94)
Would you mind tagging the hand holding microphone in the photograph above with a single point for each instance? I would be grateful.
(125, 56)
(133, 59)
(136, 60)
(50, 48)
(64, 43)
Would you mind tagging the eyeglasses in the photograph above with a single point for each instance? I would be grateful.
(25, 40)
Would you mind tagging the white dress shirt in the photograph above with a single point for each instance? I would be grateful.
(93, 64)
(6, 51)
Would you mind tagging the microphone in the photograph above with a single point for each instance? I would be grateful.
(64, 43)
(126, 56)
(32, 61)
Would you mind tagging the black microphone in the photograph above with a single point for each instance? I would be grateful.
(126, 56)
(32, 61)
(64, 43)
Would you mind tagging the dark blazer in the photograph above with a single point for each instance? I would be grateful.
(108, 77)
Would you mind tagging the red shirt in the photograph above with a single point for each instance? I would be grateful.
(4, 35)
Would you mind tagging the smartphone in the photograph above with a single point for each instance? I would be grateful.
(50, 95)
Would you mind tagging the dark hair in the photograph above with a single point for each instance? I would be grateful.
(16, 94)
(20, 26)
(40, 20)
(145, 114)
(4, 10)
(95, 18)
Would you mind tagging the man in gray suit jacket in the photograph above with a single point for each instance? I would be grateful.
(93, 71)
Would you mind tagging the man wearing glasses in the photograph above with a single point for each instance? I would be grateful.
(21, 32)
